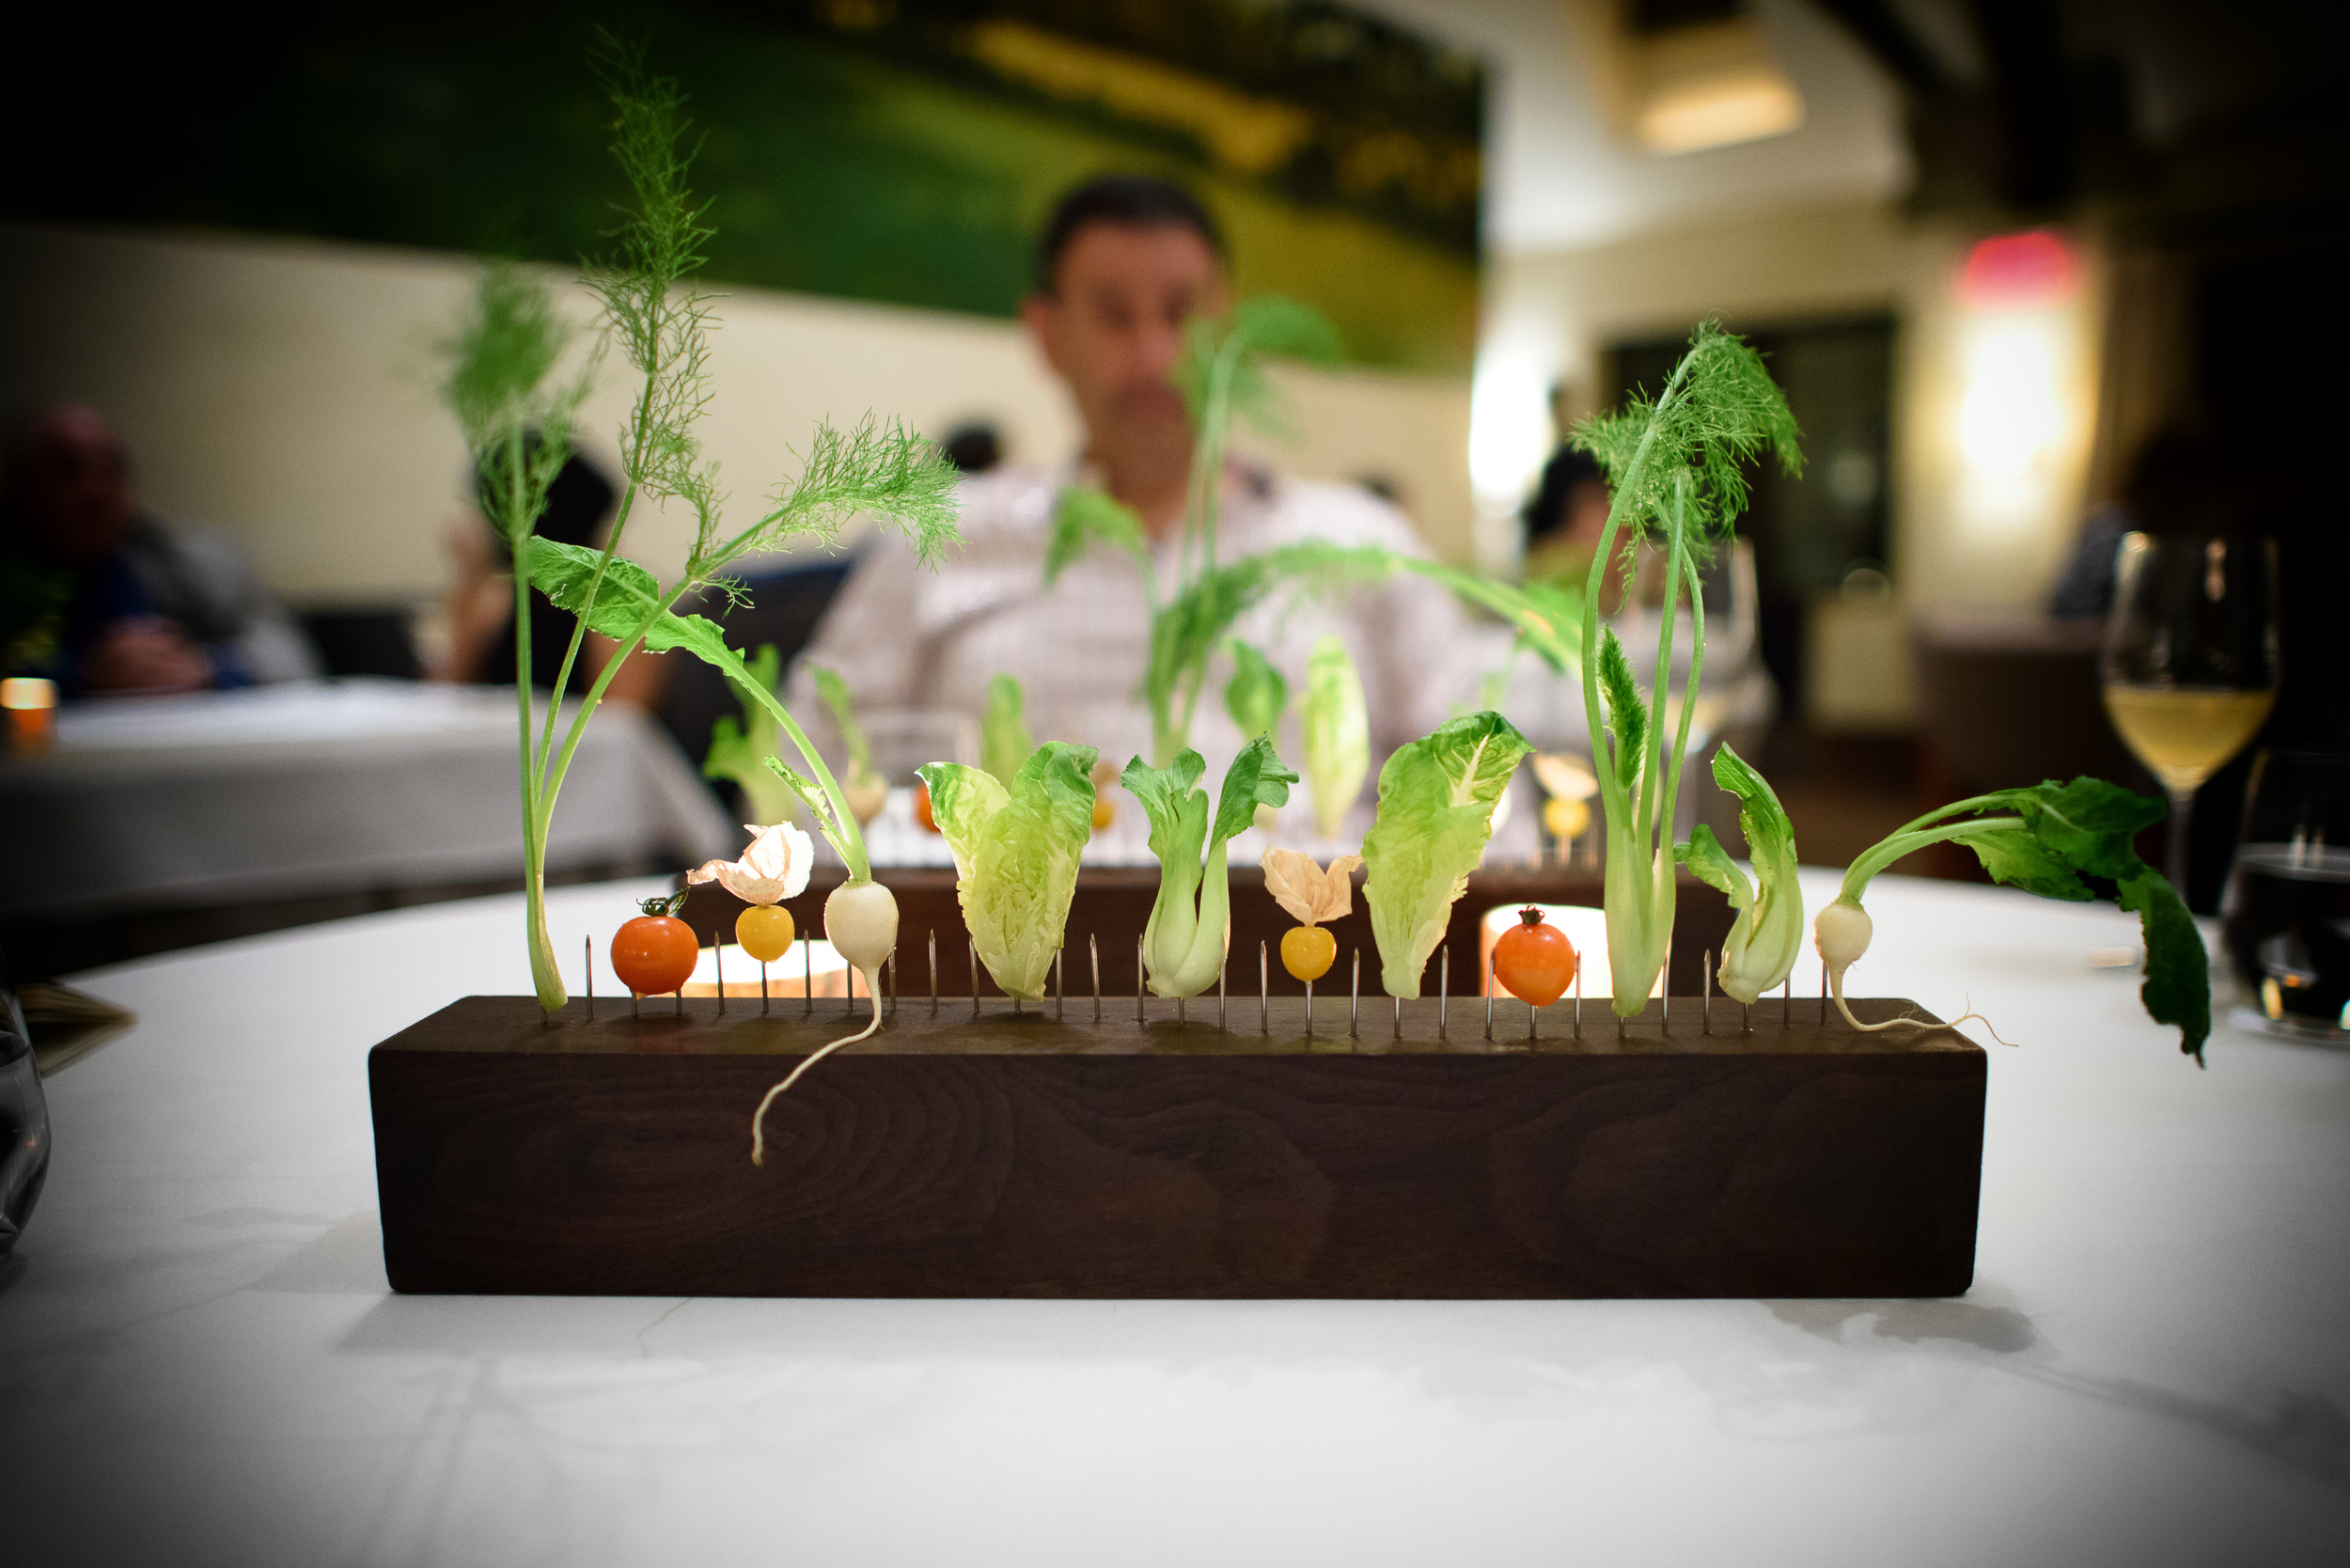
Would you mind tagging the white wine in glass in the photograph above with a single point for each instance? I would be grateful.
(2190, 663)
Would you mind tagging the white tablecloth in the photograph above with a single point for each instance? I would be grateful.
(323, 788)
(199, 1362)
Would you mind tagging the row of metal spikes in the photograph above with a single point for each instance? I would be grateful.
(1264, 991)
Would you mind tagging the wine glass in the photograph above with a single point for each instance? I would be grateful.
(2190, 661)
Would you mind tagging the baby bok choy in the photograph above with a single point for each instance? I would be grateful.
(2044, 839)
(1436, 800)
(1767, 935)
(1016, 849)
(1191, 922)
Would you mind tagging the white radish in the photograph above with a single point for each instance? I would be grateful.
(1841, 933)
(861, 923)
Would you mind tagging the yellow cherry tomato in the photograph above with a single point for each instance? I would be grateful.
(1308, 951)
(1566, 818)
(765, 932)
(1104, 812)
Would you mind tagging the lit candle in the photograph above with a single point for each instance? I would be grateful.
(32, 705)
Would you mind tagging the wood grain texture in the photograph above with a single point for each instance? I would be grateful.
(1113, 903)
(1022, 1155)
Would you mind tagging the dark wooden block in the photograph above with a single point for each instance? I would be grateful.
(1018, 1154)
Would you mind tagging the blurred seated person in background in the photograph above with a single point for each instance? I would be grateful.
(112, 600)
(1124, 262)
(2178, 482)
(480, 603)
(1568, 511)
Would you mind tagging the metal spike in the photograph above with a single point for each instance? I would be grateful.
(1219, 989)
(892, 961)
(762, 988)
(635, 1004)
(971, 952)
(1532, 1011)
(1705, 975)
(1745, 1018)
(933, 945)
(807, 972)
(1180, 1012)
(718, 962)
(1264, 990)
(1489, 1001)
(1093, 950)
(1787, 1003)
(1355, 997)
(590, 943)
(1057, 1013)
(1140, 1016)
(1399, 1018)
(1309, 1009)
(1665, 1002)
(1822, 991)
(1578, 995)
(680, 995)
(1443, 985)
(1619, 1023)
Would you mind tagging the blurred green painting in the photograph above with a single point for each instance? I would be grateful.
(896, 151)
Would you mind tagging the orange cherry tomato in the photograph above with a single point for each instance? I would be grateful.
(654, 954)
(1307, 953)
(1104, 812)
(1533, 961)
(922, 808)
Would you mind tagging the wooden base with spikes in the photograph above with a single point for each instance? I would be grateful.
(1021, 1155)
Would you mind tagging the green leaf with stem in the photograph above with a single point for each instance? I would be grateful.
(741, 750)
(1257, 695)
(835, 692)
(2044, 839)
(1766, 937)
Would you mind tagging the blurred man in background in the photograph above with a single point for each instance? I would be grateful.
(1124, 262)
(105, 597)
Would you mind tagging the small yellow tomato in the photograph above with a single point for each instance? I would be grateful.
(1566, 818)
(765, 932)
(1308, 951)
(1104, 812)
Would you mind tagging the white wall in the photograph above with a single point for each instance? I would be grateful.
(286, 391)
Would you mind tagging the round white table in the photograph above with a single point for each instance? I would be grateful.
(201, 1362)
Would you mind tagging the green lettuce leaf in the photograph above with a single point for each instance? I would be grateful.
(1336, 731)
(1436, 799)
(1004, 743)
(1190, 925)
(1257, 693)
(1016, 852)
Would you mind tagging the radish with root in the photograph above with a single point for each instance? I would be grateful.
(2044, 839)
(861, 923)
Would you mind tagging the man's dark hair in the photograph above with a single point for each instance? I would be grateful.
(1137, 200)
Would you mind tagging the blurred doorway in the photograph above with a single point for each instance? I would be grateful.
(1813, 531)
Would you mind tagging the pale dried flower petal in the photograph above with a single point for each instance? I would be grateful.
(1309, 892)
(774, 868)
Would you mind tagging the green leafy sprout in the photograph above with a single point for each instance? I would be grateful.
(1190, 925)
(1767, 936)
(503, 382)
(739, 750)
(1675, 466)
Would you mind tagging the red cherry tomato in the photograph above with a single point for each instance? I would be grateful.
(1533, 961)
(654, 954)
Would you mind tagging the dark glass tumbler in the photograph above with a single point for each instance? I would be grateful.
(2286, 916)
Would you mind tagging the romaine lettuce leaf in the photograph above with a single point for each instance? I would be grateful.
(1336, 730)
(1257, 693)
(1436, 799)
(1016, 855)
